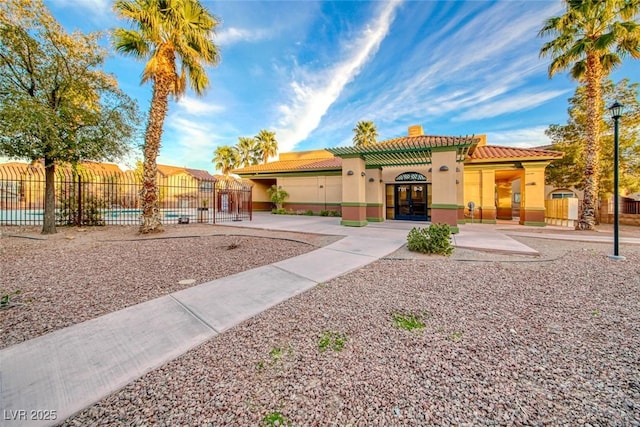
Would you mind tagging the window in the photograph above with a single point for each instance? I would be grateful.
(562, 195)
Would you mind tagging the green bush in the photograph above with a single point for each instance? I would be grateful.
(324, 213)
(334, 213)
(281, 211)
(277, 195)
(91, 213)
(436, 239)
(309, 212)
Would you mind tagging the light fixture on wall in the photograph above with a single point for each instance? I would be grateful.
(349, 172)
(363, 173)
(371, 179)
(457, 169)
(457, 181)
(322, 186)
(444, 168)
(531, 183)
(429, 170)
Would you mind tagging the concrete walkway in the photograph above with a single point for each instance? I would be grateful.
(61, 373)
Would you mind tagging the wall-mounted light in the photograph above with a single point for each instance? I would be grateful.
(457, 182)
(531, 183)
(371, 179)
(322, 186)
(444, 168)
(457, 169)
(429, 170)
(363, 173)
(349, 172)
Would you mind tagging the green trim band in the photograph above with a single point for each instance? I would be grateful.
(375, 219)
(462, 221)
(349, 223)
(375, 205)
(535, 223)
(312, 203)
(312, 174)
(444, 206)
(488, 221)
(353, 205)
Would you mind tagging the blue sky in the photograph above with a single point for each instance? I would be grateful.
(311, 70)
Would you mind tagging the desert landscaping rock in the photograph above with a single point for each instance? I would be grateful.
(552, 340)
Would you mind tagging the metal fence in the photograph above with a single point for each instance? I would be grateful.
(101, 197)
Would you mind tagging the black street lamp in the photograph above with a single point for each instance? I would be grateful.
(616, 113)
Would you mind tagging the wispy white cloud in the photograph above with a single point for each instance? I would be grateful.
(234, 35)
(314, 93)
(511, 104)
(194, 106)
(470, 67)
(524, 138)
(190, 141)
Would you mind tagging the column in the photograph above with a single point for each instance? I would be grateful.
(460, 192)
(354, 202)
(375, 195)
(488, 197)
(532, 211)
(444, 206)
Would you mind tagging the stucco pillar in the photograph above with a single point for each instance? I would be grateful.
(532, 211)
(354, 201)
(375, 195)
(460, 192)
(444, 206)
(488, 197)
(504, 200)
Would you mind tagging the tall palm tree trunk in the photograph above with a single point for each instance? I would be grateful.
(592, 147)
(151, 222)
(49, 220)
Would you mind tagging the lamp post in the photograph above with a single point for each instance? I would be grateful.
(616, 113)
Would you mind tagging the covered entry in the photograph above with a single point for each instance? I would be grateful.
(409, 198)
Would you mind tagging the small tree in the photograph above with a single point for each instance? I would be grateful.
(56, 104)
(277, 195)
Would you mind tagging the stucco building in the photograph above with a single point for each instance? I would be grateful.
(416, 177)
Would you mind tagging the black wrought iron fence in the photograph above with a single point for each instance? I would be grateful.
(95, 196)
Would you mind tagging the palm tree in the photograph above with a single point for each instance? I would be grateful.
(267, 144)
(175, 39)
(365, 134)
(225, 159)
(592, 37)
(247, 150)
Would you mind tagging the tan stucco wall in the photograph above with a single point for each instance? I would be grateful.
(312, 189)
(260, 190)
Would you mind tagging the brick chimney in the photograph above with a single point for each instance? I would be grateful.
(415, 130)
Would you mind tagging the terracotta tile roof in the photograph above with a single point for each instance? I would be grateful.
(428, 141)
(200, 174)
(292, 165)
(495, 152)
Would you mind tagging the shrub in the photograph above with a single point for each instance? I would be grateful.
(436, 239)
(332, 341)
(309, 212)
(277, 195)
(324, 213)
(334, 213)
(280, 211)
(90, 214)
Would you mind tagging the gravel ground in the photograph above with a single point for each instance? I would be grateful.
(79, 274)
(507, 340)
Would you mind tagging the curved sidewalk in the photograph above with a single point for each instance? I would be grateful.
(49, 378)
(61, 373)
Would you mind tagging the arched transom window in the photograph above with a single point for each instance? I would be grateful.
(411, 176)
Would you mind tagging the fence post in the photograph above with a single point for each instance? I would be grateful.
(79, 218)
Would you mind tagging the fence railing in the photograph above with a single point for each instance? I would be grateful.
(99, 197)
(630, 206)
